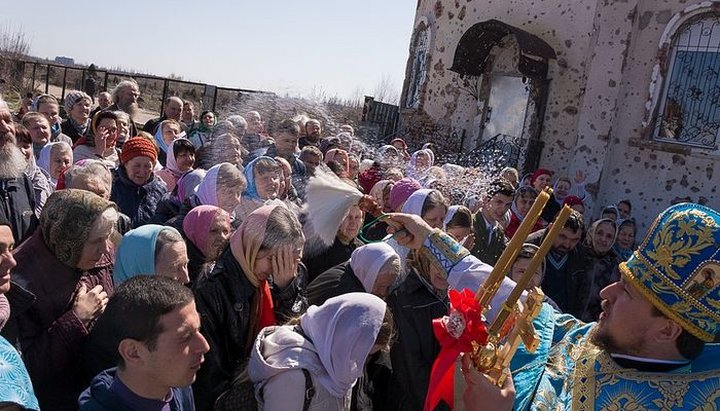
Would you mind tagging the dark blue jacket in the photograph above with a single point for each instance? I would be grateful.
(98, 396)
(137, 202)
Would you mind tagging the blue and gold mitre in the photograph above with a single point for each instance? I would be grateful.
(677, 267)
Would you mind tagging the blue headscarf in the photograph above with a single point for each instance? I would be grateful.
(136, 253)
(15, 385)
(251, 190)
(162, 145)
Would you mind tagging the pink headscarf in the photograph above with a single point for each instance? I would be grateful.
(197, 225)
(337, 155)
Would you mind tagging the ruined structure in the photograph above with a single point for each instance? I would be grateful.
(628, 91)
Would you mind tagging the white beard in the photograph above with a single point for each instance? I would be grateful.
(12, 161)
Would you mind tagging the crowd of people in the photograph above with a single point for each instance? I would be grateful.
(168, 266)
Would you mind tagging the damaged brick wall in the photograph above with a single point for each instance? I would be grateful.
(607, 52)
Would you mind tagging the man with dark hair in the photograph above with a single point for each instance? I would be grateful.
(159, 345)
(171, 111)
(17, 196)
(313, 134)
(565, 281)
(489, 234)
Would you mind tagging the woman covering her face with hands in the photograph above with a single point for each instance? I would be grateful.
(258, 281)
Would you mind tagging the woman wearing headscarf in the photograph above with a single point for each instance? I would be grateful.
(325, 350)
(151, 250)
(381, 194)
(338, 161)
(67, 265)
(54, 158)
(625, 242)
(257, 282)
(77, 107)
(180, 160)
(420, 299)
(200, 135)
(458, 224)
(431, 206)
(147, 250)
(523, 200)
(372, 268)
(222, 186)
(603, 265)
(419, 164)
(263, 176)
(99, 142)
(401, 147)
(207, 231)
(167, 132)
(136, 190)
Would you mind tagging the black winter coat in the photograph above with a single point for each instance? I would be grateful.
(138, 202)
(225, 304)
(414, 307)
(337, 253)
(17, 205)
(336, 281)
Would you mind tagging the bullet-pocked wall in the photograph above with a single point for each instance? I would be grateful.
(604, 95)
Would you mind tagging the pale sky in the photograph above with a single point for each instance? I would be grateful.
(286, 46)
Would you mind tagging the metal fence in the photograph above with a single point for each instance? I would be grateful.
(57, 79)
(383, 116)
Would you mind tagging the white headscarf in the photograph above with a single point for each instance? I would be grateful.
(366, 262)
(46, 154)
(415, 202)
(343, 331)
(450, 214)
(206, 191)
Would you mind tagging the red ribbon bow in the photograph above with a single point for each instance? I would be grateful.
(455, 333)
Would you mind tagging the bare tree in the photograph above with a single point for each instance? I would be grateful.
(13, 42)
(386, 90)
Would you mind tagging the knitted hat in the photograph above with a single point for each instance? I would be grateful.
(401, 191)
(137, 147)
(73, 96)
(539, 172)
(573, 200)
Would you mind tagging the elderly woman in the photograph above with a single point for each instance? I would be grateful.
(54, 159)
(100, 141)
(67, 265)
(180, 160)
(325, 350)
(419, 164)
(603, 265)
(256, 283)
(318, 260)
(207, 231)
(151, 250)
(135, 188)
(147, 250)
(77, 107)
(372, 268)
